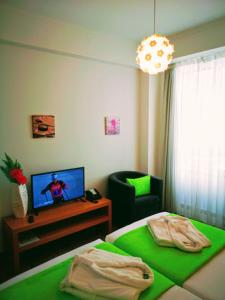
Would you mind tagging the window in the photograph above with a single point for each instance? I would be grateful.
(197, 140)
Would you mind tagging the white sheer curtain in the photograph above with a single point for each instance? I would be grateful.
(195, 175)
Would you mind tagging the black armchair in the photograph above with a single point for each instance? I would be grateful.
(126, 208)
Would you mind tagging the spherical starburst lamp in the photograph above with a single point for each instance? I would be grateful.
(154, 53)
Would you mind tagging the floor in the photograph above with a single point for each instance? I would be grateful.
(36, 256)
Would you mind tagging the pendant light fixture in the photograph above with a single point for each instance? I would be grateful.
(154, 53)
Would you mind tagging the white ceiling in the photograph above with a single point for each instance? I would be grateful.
(127, 18)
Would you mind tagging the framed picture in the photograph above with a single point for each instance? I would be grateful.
(112, 125)
(43, 126)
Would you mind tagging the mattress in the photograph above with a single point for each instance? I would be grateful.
(117, 233)
(12, 288)
(207, 282)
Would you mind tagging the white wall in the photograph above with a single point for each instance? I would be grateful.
(42, 72)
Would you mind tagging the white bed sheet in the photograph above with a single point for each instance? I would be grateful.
(208, 282)
(174, 293)
(114, 235)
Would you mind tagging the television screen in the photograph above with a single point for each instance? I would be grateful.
(57, 187)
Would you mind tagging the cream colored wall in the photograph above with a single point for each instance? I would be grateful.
(40, 75)
(154, 124)
(143, 120)
(79, 93)
(21, 27)
(201, 38)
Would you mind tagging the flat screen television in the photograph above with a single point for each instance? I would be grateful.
(56, 187)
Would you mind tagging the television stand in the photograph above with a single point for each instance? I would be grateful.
(52, 224)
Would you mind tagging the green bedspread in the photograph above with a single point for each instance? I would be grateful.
(171, 262)
(160, 284)
(45, 284)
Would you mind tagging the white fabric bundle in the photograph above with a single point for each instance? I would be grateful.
(177, 231)
(98, 274)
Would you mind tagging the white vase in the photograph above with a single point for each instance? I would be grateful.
(19, 200)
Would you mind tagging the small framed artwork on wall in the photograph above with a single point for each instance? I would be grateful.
(43, 126)
(112, 125)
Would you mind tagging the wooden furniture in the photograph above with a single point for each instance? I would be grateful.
(52, 224)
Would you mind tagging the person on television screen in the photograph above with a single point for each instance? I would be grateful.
(56, 188)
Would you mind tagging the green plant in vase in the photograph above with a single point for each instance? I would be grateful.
(13, 171)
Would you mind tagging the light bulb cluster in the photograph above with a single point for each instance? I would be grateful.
(154, 54)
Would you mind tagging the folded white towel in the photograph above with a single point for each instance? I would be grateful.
(99, 274)
(177, 231)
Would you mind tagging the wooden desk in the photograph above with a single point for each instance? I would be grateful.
(52, 224)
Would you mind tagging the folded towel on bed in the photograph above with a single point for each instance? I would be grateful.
(98, 274)
(177, 231)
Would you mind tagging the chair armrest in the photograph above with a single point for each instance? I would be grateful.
(122, 196)
(157, 186)
(120, 192)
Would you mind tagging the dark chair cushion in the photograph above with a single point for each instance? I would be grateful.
(146, 206)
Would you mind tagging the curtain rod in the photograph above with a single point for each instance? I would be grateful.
(198, 55)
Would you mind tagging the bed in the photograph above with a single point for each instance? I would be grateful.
(206, 281)
(42, 282)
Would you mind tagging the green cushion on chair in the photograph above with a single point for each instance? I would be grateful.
(142, 185)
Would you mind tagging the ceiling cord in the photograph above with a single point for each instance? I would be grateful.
(154, 16)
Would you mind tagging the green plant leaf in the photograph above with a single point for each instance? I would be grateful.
(3, 169)
(9, 164)
(6, 163)
(17, 165)
(10, 161)
(6, 172)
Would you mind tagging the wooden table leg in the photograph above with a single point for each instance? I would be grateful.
(15, 254)
(110, 217)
